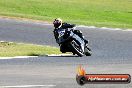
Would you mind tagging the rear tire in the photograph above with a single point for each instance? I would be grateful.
(76, 49)
(88, 51)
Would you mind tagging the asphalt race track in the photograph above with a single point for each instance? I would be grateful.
(112, 53)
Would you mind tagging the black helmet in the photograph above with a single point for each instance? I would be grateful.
(57, 23)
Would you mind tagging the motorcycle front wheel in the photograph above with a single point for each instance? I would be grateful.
(76, 49)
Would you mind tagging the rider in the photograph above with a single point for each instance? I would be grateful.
(58, 24)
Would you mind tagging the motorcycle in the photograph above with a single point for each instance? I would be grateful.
(71, 42)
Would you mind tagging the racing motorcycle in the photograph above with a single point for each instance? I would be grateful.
(71, 42)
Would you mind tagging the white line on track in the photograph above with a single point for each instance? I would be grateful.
(128, 30)
(86, 26)
(25, 86)
(104, 28)
(50, 55)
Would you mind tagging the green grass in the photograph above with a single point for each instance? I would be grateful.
(8, 49)
(110, 13)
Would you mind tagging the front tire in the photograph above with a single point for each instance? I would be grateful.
(76, 49)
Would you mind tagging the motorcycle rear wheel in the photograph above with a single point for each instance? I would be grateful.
(88, 51)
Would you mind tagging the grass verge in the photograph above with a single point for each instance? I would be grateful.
(110, 13)
(9, 49)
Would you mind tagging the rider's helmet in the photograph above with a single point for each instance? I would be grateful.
(57, 23)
